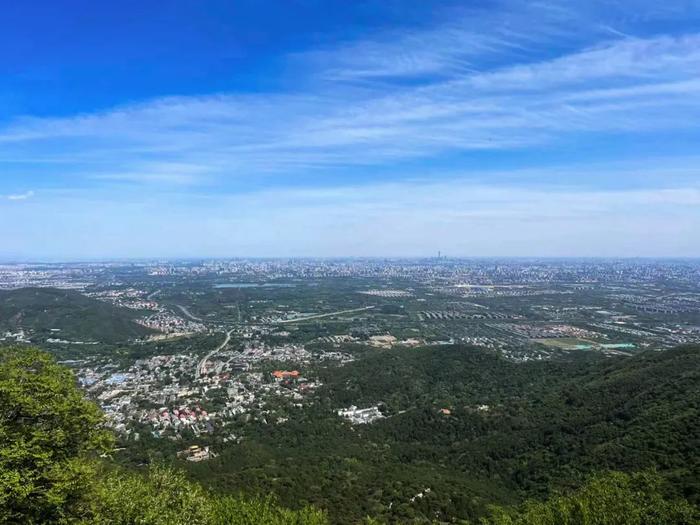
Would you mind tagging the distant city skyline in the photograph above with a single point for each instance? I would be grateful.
(302, 129)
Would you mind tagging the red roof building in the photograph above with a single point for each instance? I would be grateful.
(285, 374)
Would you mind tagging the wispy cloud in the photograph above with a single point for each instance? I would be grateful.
(623, 86)
(158, 174)
(20, 196)
(466, 39)
(522, 76)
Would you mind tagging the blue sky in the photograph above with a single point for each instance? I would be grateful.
(333, 128)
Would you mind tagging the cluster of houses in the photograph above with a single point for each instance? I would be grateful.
(361, 416)
(196, 419)
(167, 394)
(196, 453)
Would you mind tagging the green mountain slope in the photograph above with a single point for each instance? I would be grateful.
(612, 498)
(77, 317)
(514, 431)
(544, 433)
(551, 424)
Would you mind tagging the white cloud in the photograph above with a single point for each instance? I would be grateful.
(159, 174)
(20, 196)
(625, 86)
(466, 37)
(619, 60)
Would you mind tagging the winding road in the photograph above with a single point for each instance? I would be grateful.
(203, 363)
(187, 313)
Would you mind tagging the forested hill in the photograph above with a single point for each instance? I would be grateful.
(71, 315)
(538, 425)
(476, 429)
(558, 429)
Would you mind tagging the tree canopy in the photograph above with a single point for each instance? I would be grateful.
(612, 498)
(47, 430)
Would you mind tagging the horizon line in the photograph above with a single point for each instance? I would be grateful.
(193, 259)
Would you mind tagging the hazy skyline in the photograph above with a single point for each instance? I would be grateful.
(214, 129)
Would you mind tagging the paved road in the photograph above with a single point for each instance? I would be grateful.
(188, 314)
(319, 316)
(203, 363)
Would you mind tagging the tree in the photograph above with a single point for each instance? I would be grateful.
(238, 511)
(614, 498)
(160, 497)
(47, 431)
(163, 496)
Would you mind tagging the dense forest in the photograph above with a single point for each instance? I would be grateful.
(476, 430)
(483, 440)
